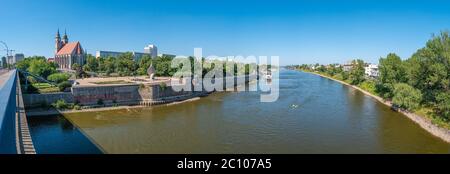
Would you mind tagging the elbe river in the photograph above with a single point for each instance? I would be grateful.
(312, 115)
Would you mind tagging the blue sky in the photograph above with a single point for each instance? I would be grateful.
(297, 31)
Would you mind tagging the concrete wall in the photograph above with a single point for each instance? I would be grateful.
(38, 100)
(157, 92)
(122, 94)
(7, 115)
(127, 94)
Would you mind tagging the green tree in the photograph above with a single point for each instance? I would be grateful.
(110, 65)
(76, 66)
(38, 66)
(356, 75)
(429, 68)
(406, 96)
(91, 63)
(144, 63)
(392, 71)
(58, 77)
(125, 64)
(443, 104)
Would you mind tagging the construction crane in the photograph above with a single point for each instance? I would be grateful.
(7, 49)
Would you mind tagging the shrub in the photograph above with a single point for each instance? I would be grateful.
(63, 85)
(60, 104)
(406, 97)
(77, 107)
(58, 77)
(368, 86)
(443, 104)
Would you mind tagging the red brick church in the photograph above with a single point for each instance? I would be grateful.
(67, 53)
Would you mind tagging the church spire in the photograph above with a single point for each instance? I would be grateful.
(65, 38)
(57, 34)
(58, 44)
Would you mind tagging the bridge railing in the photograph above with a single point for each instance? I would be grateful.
(8, 102)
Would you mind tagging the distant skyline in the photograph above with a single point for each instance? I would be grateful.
(296, 31)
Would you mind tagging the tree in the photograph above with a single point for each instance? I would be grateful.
(91, 63)
(144, 63)
(392, 71)
(109, 65)
(125, 64)
(356, 75)
(58, 77)
(443, 104)
(76, 66)
(429, 68)
(37, 66)
(406, 97)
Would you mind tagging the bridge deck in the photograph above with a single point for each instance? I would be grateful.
(4, 76)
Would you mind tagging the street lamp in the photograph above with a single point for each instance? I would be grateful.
(7, 50)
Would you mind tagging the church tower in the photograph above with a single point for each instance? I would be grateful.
(58, 44)
(65, 38)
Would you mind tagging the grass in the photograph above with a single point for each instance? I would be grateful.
(435, 119)
(45, 88)
(111, 82)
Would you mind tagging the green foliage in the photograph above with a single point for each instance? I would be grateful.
(443, 105)
(369, 86)
(144, 63)
(63, 85)
(422, 80)
(356, 74)
(126, 65)
(406, 96)
(60, 104)
(42, 88)
(163, 66)
(92, 64)
(392, 71)
(77, 107)
(429, 68)
(76, 66)
(37, 65)
(58, 77)
(79, 72)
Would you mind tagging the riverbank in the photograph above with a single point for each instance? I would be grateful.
(53, 111)
(422, 121)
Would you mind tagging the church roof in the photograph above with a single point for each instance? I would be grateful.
(71, 48)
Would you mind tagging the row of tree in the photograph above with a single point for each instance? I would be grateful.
(125, 65)
(420, 81)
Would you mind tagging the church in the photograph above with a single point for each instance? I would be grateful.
(67, 53)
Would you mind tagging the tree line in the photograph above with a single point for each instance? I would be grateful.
(125, 65)
(421, 81)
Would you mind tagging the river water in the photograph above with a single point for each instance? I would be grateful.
(312, 115)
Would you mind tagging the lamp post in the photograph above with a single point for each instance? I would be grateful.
(7, 51)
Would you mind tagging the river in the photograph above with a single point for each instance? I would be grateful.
(312, 115)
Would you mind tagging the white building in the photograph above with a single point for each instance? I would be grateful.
(136, 55)
(152, 50)
(167, 55)
(371, 70)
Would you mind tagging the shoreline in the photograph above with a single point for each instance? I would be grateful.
(423, 122)
(53, 112)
